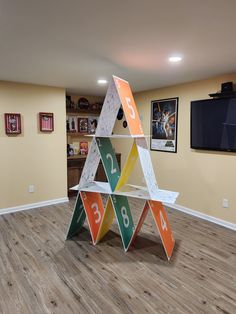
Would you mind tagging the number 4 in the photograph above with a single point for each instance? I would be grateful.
(163, 222)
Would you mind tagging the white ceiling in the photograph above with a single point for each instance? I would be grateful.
(72, 43)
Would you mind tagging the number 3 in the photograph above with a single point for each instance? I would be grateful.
(96, 212)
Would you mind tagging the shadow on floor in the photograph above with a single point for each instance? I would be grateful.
(147, 248)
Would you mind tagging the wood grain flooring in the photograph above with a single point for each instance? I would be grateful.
(41, 273)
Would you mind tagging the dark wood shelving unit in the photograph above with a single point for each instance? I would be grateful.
(75, 166)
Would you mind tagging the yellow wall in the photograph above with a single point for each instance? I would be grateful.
(203, 178)
(32, 157)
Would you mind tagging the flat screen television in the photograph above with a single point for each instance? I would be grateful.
(213, 124)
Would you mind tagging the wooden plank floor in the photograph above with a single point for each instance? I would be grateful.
(41, 273)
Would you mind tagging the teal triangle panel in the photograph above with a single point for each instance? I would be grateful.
(78, 218)
(109, 161)
(124, 218)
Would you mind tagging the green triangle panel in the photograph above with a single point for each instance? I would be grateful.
(124, 218)
(109, 161)
(78, 218)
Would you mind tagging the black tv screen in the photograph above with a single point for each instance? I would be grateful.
(213, 124)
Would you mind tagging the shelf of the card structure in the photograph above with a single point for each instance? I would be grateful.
(136, 191)
(119, 136)
(95, 186)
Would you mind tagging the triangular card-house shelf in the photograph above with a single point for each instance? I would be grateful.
(89, 200)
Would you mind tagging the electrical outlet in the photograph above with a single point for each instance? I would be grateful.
(225, 203)
(31, 189)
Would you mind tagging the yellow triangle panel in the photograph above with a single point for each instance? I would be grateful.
(107, 220)
(128, 167)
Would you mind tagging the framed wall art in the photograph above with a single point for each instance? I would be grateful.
(46, 122)
(12, 123)
(164, 114)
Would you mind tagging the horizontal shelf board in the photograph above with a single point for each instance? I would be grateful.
(129, 190)
(95, 186)
(77, 134)
(77, 156)
(141, 192)
(118, 136)
(83, 111)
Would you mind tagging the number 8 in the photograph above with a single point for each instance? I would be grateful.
(125, 216)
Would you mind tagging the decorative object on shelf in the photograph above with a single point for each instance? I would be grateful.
(68, 102)
(76, 147)
(67, 125)
(12, 123)
(120, 114)
(83, 147)
(92, 124)
(164, 114)
(83, 103)
(99, 106)
(71, 124)
(93, 107)
(89, 204)
(70, 150)
(124, 124)
(46, 122)
(83, 125)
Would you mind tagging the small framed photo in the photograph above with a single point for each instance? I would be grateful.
(13, 123)
(83, 125)
(164, 122)
(46, 122)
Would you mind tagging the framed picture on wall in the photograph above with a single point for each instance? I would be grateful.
(12, 123)
(46, 122)
(164, 118)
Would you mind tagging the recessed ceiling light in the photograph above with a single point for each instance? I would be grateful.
(102, 82)
(175, 59)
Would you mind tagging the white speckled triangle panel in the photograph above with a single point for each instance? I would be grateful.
(146, 164)
(91, 165)
(109, 111)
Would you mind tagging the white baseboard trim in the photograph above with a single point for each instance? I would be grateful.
(200, 215)
(9, 210)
